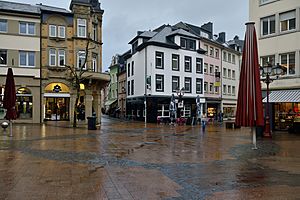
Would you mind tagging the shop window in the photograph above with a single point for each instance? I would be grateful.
(2, 110)
(24, 103)
(163, 110)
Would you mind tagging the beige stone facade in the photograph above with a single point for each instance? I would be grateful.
(20, 50)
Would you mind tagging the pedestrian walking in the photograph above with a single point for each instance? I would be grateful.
(203, 121)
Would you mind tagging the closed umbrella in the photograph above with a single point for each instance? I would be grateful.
(9, 100)
(249, 106)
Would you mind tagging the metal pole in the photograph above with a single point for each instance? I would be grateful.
(145, 100)
(267, 132)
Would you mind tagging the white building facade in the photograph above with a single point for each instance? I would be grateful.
(162, 63)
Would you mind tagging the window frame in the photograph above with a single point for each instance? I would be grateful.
(52, 54)
(4, 50)
(287, 21)
(199, 80)
(270, 22)
(52, 28)
(59, 56)
(27, 58)
(176, 78)
(157, 76)
(59, 31)
(199, 65)
(287, 65)
(27, 30)
(186, 81)
(81, 24)
(79, 56)
(176, 58)
(4, 21)
(188, 63)
(159, 56)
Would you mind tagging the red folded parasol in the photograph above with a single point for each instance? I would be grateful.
(249, 106)
(9, 100)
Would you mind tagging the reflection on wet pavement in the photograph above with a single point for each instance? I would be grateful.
(128, 160)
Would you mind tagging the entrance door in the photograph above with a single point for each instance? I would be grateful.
(57, 108)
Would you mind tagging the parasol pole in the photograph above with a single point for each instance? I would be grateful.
(10, 128)
(253, 138)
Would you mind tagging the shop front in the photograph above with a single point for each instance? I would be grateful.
(56, 102)
(285, 108)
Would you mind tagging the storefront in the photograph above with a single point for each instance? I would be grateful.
(285, 108)
(56, 102)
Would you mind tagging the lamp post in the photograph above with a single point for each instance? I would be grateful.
(266, 72)
(180, 94)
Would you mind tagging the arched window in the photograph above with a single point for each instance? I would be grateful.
(24, 103)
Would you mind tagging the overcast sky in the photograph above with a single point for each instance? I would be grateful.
(123, 18)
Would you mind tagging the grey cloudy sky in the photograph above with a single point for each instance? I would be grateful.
(123, 18)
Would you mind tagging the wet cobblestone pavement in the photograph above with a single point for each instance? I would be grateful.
(128, 160)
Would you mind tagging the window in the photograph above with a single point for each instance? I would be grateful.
(224, 89)
(159, 60)
(205, 87)
(52, 57)
(199, 83)
(229, 73)
(175, 62)
(229, 57)
(224, 72)
(61, 58)
(175, 83)
(211, 88)
(81, 27)
(132, 87)
(287, 21)
(187, 64)
(27, 58)
(206, 49)
(288, 62)
(52, 30)
(27, 28)
(216, 68)
(233, 90)
(217, 53)
(81, 64)
(128, 88)
(199, 62)
(205, 68)
(211, 69)
(159, 83)
(94, 63)
(216, 89)
(268, 25)
(229, 89)
(128, 69)
(163, 110)
(211, 51)
(188, 84)
(233, 74)
(3, 57)
(132, 68)
(268, 59)
(224, 56)
(188, 44)
(95, 32)
(61, 32)
(3, 25)
(233, 59)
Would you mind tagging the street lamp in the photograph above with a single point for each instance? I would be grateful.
(180, 94)
(266, 72)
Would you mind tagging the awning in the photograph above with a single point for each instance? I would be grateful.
(283, 96)
(109, 102)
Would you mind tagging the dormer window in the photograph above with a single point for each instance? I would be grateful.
(188, 44)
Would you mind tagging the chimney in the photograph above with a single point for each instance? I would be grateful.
(222, 37)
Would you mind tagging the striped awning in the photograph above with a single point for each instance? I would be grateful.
(283, 96)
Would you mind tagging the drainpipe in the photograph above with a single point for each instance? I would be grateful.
(41, 82)
(145, 100)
